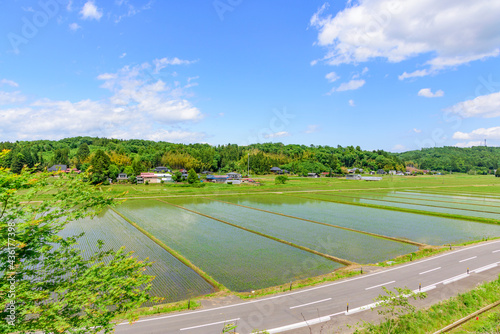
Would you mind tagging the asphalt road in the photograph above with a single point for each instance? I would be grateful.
(288, 311)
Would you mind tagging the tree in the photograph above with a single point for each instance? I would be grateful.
(192, 176)
(47, 284)
(98, 170)
(177, 177)
(83, 152)
(497, 173)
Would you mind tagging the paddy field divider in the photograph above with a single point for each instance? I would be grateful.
(429, 205)
(330, 225)
(326, 256)
(419, 212)
(218, 286)
(433, 200)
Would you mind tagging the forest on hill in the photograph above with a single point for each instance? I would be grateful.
(477, 159)
(135, 156)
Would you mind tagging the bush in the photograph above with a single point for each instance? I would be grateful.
(281, 179)
(192, 176)
(497, 174)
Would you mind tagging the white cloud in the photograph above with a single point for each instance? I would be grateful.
(90, 11)
(448, 33)
(351, 85)
(332, 77)
(486, 106)
(164, 62)
(399, 148)
(426, 92)
(123, 55)
(417, 130)
(351, 103)
(482, 133)
(138, 107)
(74, 26)
(312, 128)
(416, 74)
(277, 134)
(11, 98)
(470, 144)
(9, 82)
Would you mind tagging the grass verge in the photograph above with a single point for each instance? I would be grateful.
(160, 309)
(442, 314)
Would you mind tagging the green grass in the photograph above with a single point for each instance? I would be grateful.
(488, 322)
(442, 314)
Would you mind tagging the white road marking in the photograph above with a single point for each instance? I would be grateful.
(298, 325)
(319, 301)
(496, 251)
(490, 266)
(213, 323)
(428, 271)
(470, 258)
(376, 286)
(454, 279)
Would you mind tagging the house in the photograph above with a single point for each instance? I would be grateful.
(312, 175)
(276, 170)
(139, 179)
(58, 168)
(161, 169)
(150, 178)
(371, 178)
(355, 170)
(372, 172)
(183, 171)
(184, 174)
(353, 177)
(122, 177)
(381, 172)
(285, 171)
(400, 173)
(207, 172)
(392, 172)
(217, 178)
(165, 177)
(233, 176)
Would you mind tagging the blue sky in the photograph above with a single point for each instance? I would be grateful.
(381, 74)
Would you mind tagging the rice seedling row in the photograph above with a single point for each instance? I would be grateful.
(240, 260)
(173, 280)
(460, 209)
(340, 243)
(424, 229)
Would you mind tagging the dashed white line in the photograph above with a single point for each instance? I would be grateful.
(319, 301)
(498, 250)
(376, 286)
(213, 323)
(470, 258)
(490, 266)
(428, 271)
(454, 279)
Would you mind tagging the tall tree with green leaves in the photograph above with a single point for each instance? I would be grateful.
(192, 176)
(100, 163)
(46, 283)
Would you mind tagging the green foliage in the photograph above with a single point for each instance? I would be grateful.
(497, 173)
(281, 179)
(98, 171)
(177, 177)
(394, 304)
(192, 177)
(51, 286)
(83, 152)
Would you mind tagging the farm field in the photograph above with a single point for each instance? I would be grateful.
(423, 229)
(415, 204)
(174, 281)
(240, 260)
(352, 246)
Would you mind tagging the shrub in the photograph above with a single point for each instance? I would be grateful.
(281, 179)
